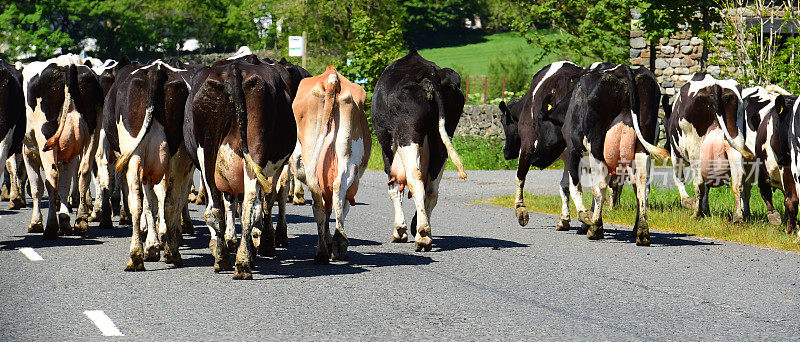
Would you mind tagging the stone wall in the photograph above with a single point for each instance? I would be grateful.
(480, 121)
(676, 59)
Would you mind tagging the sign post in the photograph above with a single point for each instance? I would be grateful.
(297, 47)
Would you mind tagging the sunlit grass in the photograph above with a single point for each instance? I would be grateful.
(666, 213)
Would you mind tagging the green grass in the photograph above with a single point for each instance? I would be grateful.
(476, 154)
(473, 58)
(666, 213)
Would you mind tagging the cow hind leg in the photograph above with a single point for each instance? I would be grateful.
(563, 191)
(399, 233)
(229, 201)
(264, 227)
(32, 166)
(765, 189)
(67, 172)
(136, 259)
(250, 216)
(679, 176)
(641, 170)
(281, 229)
(150, 219)
(17, 176)
(410, 156)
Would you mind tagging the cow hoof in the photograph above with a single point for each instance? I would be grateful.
(36, 228)
(222, 265)
(298, 201)
(16, 204)
(200, 200)
(586, 217)
(399, 235)
(774, 217)
(95, 216)
(321, 258)
(266, 250)
(340, 244)
(64, 228)
(423, 243)
(174, 259)
(125, 221)
(281, 240)
(583, 229)
(595, 232)
(153, 254)
(81, 227)
(643, 240)
(737, 219)
(4, 192)
(689, 203)
(562, 224)
(522, 215)
(106, 224)
(242, 272)
(135, 264)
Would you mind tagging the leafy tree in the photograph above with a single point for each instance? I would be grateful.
(590, 30)
(25, 27)
(371, 50)
(428, 16)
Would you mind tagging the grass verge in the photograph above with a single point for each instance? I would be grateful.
(666, 213)
(476, 153)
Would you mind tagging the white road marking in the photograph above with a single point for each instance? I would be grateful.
(102, 322)
(31, 254)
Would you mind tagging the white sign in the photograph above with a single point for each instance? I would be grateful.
(295, 46)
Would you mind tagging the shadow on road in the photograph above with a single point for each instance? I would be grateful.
(36, 241)
(657, 239)
(452, 242)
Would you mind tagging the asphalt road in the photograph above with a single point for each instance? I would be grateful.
(486, 278)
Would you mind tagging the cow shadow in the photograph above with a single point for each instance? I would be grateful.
(657, 239)
(446, 243)
(35, 240)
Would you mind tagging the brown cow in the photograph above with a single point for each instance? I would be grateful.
(333, 132)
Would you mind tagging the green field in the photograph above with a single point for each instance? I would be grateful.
(472, 58)
(666, 213)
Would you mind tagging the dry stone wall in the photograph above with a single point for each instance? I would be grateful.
(480, 121)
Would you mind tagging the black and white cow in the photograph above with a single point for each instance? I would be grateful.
(524, 128)
(705, 130)
(64, 100)
(240, 131)
(610, 126)
(143, 122)
(12, 124)
(766, 134)
(415, 109)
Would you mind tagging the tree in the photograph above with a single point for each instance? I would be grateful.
(663, 18)
(587, 30)
(429, 16)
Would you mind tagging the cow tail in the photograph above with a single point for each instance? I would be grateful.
(239, 106)
(667, 115)
(657, 152)
(451, 152)
(746, 154)
(332, 87)
(122, 162)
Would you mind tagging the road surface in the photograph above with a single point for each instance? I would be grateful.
(486, 278)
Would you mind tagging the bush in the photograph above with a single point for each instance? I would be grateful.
(515, 66)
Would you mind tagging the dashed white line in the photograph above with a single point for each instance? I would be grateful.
(31, 254)
(103, 323)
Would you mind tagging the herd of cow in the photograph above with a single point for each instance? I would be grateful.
(257, 129)
(603, 122)
(253, 127)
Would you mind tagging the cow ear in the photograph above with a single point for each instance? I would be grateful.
(123, 61)
(780, 106)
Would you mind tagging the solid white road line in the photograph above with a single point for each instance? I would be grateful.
(102, 322)
(31, 254)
